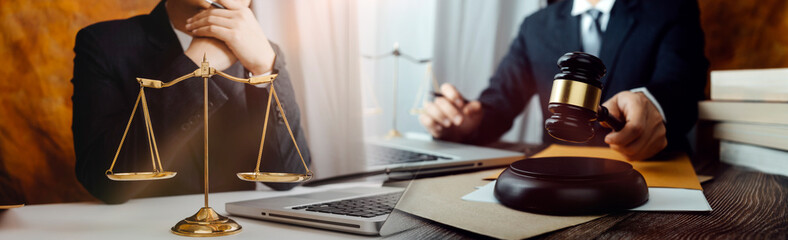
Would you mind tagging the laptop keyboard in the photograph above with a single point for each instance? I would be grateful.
(385, 155)
(365, 207)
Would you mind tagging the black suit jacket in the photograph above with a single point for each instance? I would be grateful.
(111, 55)
(654, 44)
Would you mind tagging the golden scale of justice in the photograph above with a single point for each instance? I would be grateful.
(206, 222)
(422, 93)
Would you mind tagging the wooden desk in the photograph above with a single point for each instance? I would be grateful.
(747, 205)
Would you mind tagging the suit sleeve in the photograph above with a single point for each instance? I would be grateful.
(98, 121)
(680, 62)
(510, 88)
(102, 104)
(282, 155)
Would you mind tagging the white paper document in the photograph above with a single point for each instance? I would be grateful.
(659, 199)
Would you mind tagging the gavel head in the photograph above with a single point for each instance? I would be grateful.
(574, 100)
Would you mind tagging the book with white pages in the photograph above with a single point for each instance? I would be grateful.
(768, 85)
(764, 159)
(746, 112)
(766, 135)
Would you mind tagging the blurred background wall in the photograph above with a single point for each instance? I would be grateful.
(37, 38)
(36, 62)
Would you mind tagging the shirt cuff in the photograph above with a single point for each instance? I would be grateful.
(265, 85)
(653, 100)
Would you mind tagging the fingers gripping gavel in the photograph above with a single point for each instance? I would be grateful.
(574, 100)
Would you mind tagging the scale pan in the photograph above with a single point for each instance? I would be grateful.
(140, 176)
(274, 177)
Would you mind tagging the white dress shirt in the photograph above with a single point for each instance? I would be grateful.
(582, 6)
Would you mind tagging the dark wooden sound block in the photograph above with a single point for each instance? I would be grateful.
(571, 186)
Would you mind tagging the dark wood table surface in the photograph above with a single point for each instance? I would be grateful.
(746, 205)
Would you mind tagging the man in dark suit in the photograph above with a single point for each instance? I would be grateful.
(166, 44)
(656, 73)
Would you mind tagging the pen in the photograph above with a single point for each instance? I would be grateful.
(437, 94)
(215, 4)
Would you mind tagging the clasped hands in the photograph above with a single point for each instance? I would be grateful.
(643, 136)
(230, 35)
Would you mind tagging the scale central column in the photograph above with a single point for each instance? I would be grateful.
(206, 222)
(205, 126)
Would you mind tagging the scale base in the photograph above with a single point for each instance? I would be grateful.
(206, 223)
(393, 133)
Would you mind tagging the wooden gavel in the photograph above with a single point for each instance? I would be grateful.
(573, 185)
(574, 100)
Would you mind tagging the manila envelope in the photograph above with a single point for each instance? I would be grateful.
(439, 198)
(675, 172)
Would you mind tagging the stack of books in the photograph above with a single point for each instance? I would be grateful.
(751, 108)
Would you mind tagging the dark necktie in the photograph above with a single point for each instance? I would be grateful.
(592, 37)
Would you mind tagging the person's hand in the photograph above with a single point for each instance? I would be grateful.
(450, 117)
(237, 27)
(643, 135)
(216, 51)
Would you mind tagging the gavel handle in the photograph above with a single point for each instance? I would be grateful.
(608, 120)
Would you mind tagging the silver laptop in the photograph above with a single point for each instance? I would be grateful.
(360, 210)
(432, 156)
(364, 210)
(422, 155)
